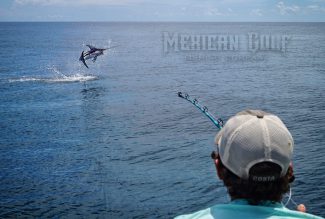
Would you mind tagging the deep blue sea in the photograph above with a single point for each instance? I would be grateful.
(115, 141)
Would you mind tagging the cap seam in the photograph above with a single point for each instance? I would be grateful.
(285, 130)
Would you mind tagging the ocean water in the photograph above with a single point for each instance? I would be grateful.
(115, 141)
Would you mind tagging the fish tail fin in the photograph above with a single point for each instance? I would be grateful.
(82, 58)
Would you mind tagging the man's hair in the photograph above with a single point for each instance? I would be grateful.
(256, 191)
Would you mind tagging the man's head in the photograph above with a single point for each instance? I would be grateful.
(254, 155)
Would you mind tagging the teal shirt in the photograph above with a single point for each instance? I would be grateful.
(241, 209)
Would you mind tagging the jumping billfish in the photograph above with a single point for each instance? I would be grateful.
(92, 53)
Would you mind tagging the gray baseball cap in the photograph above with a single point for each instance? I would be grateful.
(251, 137)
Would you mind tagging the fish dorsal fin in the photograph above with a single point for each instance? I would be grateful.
(91, 47)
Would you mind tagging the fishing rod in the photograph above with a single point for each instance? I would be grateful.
(217, 122)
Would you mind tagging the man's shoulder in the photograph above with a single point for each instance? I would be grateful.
(231, 210)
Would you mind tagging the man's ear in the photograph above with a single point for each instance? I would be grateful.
(290, 173)
(218, 167)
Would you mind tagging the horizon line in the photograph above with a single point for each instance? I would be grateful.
(162, 21)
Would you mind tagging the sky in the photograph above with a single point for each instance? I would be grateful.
(163, 10)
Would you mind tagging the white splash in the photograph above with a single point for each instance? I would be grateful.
(71, 78)
(58, 78)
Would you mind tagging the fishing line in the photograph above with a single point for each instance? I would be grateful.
(299, 207)
(289, 198)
